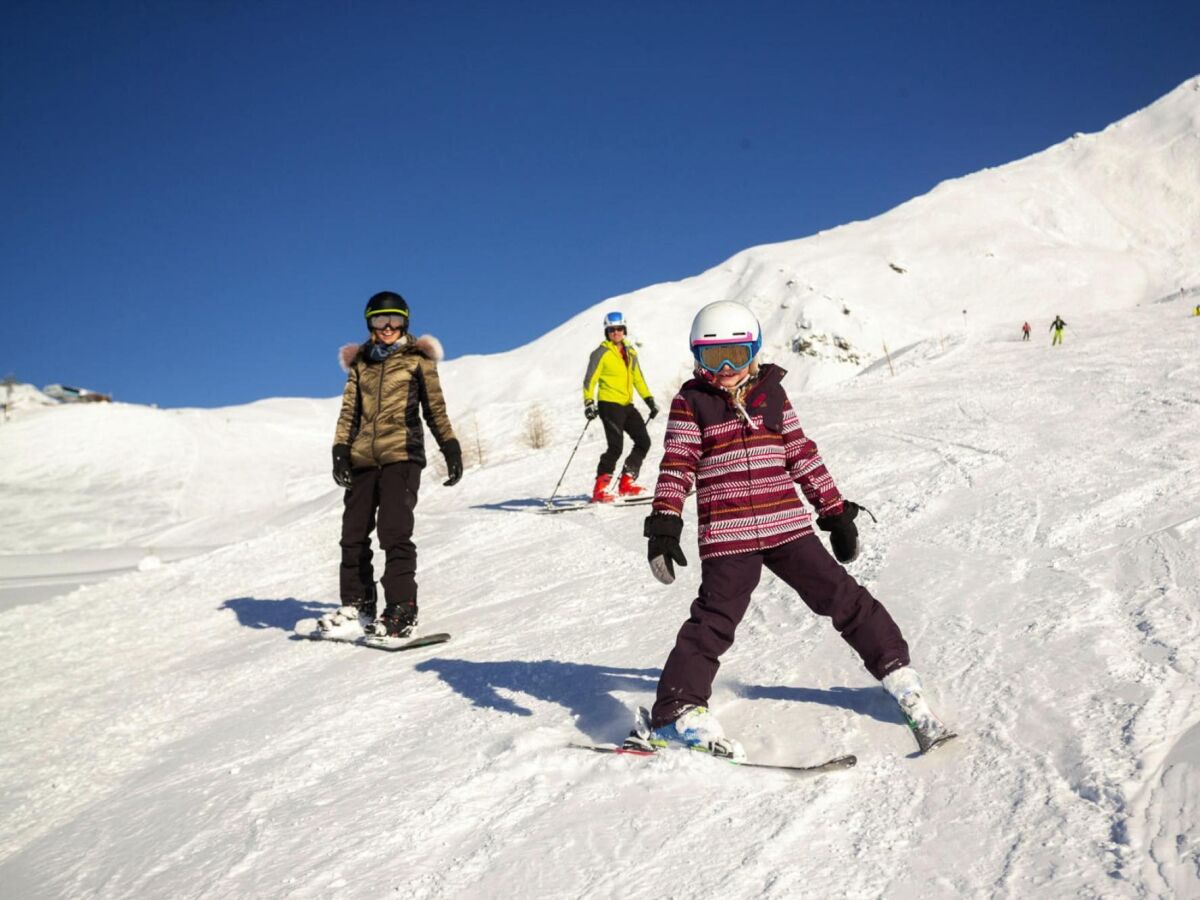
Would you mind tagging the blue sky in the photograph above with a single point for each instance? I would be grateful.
(200, 197)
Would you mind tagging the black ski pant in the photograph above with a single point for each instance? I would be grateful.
(390, 493)
(620, 419)
(726, 583)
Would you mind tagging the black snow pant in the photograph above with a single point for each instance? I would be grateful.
(390, 492)
(620, 419)
(726, 583)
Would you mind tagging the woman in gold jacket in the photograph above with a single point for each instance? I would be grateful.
(378, 454)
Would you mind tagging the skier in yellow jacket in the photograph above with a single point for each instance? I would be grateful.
(613, 373)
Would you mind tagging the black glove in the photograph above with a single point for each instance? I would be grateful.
(453, 453)
(663, 531)
(342, 473)
(843, 533)
(653, 408)
(589, 410)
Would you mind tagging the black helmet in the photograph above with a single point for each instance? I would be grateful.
(385, 303)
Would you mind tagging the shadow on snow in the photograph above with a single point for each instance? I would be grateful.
(253, 612)
(531, 504)
(587, 691)
(866, 701)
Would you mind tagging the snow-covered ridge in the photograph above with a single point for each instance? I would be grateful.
(1098, 222)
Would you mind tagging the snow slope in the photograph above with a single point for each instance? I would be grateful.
(168, 735)
(1098, 222)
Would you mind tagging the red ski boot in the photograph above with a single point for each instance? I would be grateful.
(600, 492)
(627, 488)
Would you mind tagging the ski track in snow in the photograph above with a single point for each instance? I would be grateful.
(168, 735)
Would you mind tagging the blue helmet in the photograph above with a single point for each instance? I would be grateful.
(614, 320)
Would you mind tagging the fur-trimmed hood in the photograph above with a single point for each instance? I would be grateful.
(427, 345)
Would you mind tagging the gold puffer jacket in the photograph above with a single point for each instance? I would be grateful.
(383, 403)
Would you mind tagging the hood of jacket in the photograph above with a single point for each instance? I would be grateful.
(426, 345)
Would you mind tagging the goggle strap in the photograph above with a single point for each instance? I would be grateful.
(387, 312)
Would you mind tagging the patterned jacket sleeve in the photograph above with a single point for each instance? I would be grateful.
(807, 468)
(681, 457)
(347, 423)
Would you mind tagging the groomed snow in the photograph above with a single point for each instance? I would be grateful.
(167, 734)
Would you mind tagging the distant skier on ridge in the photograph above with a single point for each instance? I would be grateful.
(734, 436)
(1025, 332)
(378, 454)
(613, 373)
(1057, 327)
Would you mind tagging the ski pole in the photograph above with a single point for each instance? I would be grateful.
(554, 493)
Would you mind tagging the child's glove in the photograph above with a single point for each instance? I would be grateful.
(663, 532)
(843, 533)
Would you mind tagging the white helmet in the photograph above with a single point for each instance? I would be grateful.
(725, 322)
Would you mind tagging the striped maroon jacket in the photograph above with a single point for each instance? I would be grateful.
(744, 476)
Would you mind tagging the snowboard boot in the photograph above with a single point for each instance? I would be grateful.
(697, 729)
(904, 684)
(396, 621)
(627, 488)
(350, 620)
(600, 492)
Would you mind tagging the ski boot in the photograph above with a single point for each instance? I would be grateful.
(696, 729)
(904, 684)
(627, 488)
(600, 492)
(348, 621)
(396, 621)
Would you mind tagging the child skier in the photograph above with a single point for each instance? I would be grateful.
(614, 373)
(378, 454)
(733, 434)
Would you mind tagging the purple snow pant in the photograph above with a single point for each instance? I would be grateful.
(726, 583)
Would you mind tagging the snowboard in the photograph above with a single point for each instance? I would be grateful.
(830, 765)
(390, 644)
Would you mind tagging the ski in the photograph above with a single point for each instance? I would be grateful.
(830, 765)
(390, 644)
(555, 506)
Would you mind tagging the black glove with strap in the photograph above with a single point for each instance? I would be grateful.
(453, 453)
(342, 470)
(663, 549)
(843, 533)
(653, 407)
(589, 409)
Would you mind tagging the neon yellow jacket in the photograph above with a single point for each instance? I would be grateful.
(616, 379)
